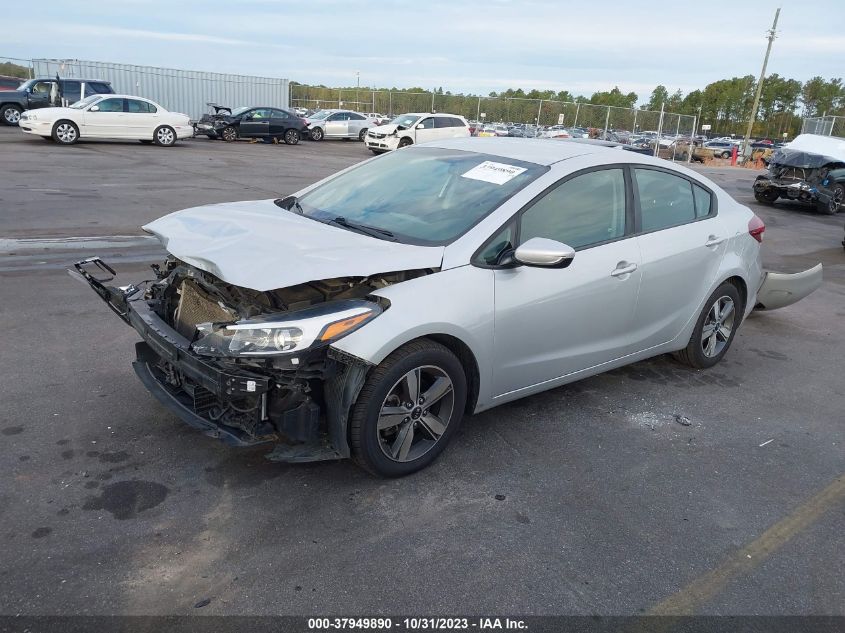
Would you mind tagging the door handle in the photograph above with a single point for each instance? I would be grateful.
(714, 241)
(623, 268)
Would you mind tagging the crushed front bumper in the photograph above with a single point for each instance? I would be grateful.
(194, 387)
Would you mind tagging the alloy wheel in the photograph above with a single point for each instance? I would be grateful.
(66, 133)
(415, 413)
(718, 326)
(12, 115)
(165, 136)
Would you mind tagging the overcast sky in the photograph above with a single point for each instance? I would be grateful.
(461, 45)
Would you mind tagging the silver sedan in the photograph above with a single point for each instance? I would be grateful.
(367, 321)
(334, 124)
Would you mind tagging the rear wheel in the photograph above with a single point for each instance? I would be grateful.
(317, 134)
(11, 114)
(65, 132)
(837, 199)
(164, 136)
(292, 137)
(409, 408)
(726, 154)
(715, 329)
(229, 134)
(362, 136)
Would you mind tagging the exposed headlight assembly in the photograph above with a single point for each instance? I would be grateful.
(284, 333)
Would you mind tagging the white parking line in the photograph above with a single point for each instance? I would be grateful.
(10, 245)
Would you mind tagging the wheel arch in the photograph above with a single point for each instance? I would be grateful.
(469, 363)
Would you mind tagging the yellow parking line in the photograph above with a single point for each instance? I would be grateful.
(703, 589)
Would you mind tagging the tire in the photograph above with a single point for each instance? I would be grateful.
(164, 136)
(405, 142)
(229, 134)
(292, 136)
(10, 114)
(317, 134)
(362, 136)
(726, 154)
(376, 151)
(705, 350)
(836, 202)
(65, 132)
(766, 197)
(418, 435)
(145, 141)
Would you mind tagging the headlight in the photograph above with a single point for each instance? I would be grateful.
(284, 333)
(26, 116)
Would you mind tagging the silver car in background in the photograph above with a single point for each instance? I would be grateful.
(334, 124)
(365, 315)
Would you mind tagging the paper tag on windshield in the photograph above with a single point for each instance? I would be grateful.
(497, 173)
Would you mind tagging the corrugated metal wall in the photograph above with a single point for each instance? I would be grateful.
(185, 91)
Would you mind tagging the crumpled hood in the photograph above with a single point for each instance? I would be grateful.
(256, 244)
(388, 128)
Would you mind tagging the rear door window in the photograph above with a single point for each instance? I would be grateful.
(665, 200)
(139, 107)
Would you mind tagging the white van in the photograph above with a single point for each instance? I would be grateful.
(415, 127)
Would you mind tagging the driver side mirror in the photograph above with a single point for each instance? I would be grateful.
(95, 108)
(544, 253)
(420, 126)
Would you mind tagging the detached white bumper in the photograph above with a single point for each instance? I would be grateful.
(779, 289)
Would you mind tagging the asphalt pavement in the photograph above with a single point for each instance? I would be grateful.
(652, 488)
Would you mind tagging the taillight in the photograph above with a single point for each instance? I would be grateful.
(756, 228)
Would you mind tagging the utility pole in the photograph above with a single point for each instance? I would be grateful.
(772, 35)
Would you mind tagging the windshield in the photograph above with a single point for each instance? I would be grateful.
(405, 120)
(424, 195)
(238, 111)
(85, 102)
(320, 114)
(27, 84)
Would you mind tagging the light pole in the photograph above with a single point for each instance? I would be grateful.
(357, 89)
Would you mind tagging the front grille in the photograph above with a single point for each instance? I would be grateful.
(377, 135)
(204, 400)
(196, 306)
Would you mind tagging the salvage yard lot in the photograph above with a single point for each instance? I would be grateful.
(608, 496)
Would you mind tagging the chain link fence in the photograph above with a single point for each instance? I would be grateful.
(16, 67)
(824, 125)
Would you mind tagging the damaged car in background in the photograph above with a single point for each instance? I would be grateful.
(365, 315)
(811, 169)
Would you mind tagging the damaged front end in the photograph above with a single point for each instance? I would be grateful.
(800, 176)
(245, 366)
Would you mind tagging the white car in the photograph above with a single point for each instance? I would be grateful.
(416, 127)
(108, 116)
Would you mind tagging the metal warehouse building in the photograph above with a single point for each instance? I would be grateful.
(185, 91)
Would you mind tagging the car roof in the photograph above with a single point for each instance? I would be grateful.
(457, 116)
(102, 81)
(543, 151)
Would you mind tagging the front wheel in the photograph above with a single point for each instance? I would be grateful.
(292, 137)
(405, 142)
(726, 154)
(317, 134)
(11, 114)
(715, 329)
(409, 408)
(229, 134)
(65, 132)
(837, 199)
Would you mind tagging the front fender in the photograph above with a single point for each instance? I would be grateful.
(457, 302)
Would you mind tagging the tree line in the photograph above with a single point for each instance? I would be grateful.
(724, 104)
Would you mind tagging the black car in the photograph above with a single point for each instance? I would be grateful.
(253, 122)
(43, 92)
(804, 176)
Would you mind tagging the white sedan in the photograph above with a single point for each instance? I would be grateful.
(108, 116)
